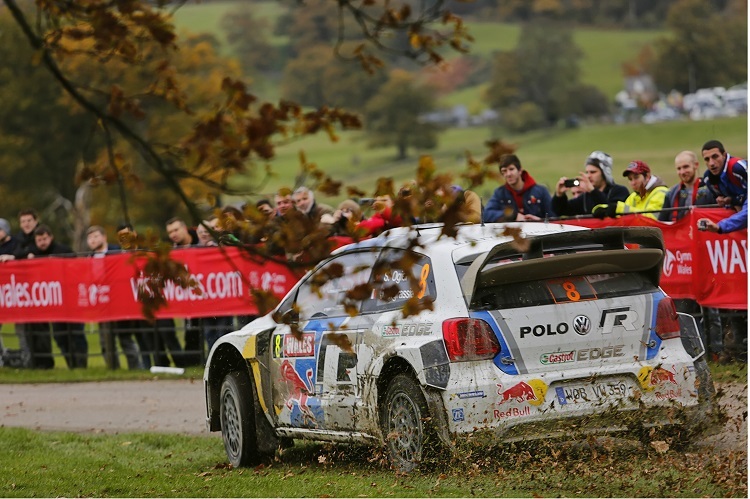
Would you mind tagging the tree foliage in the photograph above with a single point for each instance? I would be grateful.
(42, 140)
(707, 47)
(248, 36)
(119, 64)
(392, 116)
(542, 70)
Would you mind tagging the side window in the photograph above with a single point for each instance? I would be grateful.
(322, 293)
(391, 283)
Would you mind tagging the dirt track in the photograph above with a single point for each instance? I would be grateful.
(178, 406)
(175, 406)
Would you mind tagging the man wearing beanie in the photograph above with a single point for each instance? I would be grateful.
(8, 243)
(597, 186)
(648, 193)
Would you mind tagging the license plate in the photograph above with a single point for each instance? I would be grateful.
(591, 392)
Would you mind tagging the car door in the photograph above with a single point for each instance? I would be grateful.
(314, 370)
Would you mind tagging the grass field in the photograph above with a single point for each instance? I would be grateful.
(56, 464)
(546, 154)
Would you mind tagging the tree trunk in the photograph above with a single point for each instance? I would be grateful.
(81, 216)
(401, 150)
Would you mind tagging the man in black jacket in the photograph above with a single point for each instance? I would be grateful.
(8, 243)
(596, 185)
(69, 336)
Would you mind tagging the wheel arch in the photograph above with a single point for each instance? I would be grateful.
(224, 360)
(392, 367)
(396, 365)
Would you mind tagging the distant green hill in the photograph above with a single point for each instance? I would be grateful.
(604, 50)
(547, 155)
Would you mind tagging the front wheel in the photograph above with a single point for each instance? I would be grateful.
(405, 423)
(238, 420)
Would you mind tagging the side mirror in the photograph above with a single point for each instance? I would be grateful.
(290, 316)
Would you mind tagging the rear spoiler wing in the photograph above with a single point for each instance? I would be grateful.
(595, 251)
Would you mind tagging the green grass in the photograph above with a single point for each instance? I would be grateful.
(546, 154)
(154, 465)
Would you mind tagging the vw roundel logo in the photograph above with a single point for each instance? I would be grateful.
(581, 324)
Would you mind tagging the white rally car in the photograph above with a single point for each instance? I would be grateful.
(562, 330)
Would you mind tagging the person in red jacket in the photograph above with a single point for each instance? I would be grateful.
(383, 218)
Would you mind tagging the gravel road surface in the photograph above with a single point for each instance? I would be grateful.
(178, 406)
(174, 406)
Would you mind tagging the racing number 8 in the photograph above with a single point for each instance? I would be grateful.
(423, 280)
(570, 291)
(277, 349)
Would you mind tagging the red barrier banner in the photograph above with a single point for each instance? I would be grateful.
(105, 289)
(707, 267)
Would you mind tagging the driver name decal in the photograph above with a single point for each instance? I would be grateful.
(287, 345)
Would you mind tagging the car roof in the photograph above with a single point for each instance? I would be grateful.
(470, 239)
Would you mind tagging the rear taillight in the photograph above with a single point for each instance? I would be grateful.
(469, 339)
(667, 321)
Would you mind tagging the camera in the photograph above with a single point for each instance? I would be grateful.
(572, 182)
(702, 225)
(365, 201)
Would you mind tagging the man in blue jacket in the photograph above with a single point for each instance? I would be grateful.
(520, 199)
(727, 178)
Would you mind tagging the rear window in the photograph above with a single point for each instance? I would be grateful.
(564, 290)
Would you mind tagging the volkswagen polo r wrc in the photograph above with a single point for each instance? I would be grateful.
(561, 329)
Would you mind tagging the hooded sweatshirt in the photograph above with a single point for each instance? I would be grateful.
(506, 203)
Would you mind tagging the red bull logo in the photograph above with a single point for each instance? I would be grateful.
(660, 375)
(668, 394)
(521, 392)
(299, 389)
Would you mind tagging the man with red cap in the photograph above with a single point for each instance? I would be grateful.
(648, 193)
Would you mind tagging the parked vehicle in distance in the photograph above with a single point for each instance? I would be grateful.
(564, 331)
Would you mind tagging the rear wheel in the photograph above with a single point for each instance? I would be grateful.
(405, 423)
(238, 420)
(705, 418)
(706, 389)
(700, 420)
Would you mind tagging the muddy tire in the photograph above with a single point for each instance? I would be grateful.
(405, 423)
(706, 389)
(237, 413)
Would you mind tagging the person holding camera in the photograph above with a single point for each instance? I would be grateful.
(347, 215)
(596, 185)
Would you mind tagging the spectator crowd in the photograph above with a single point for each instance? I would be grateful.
(592, 193)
